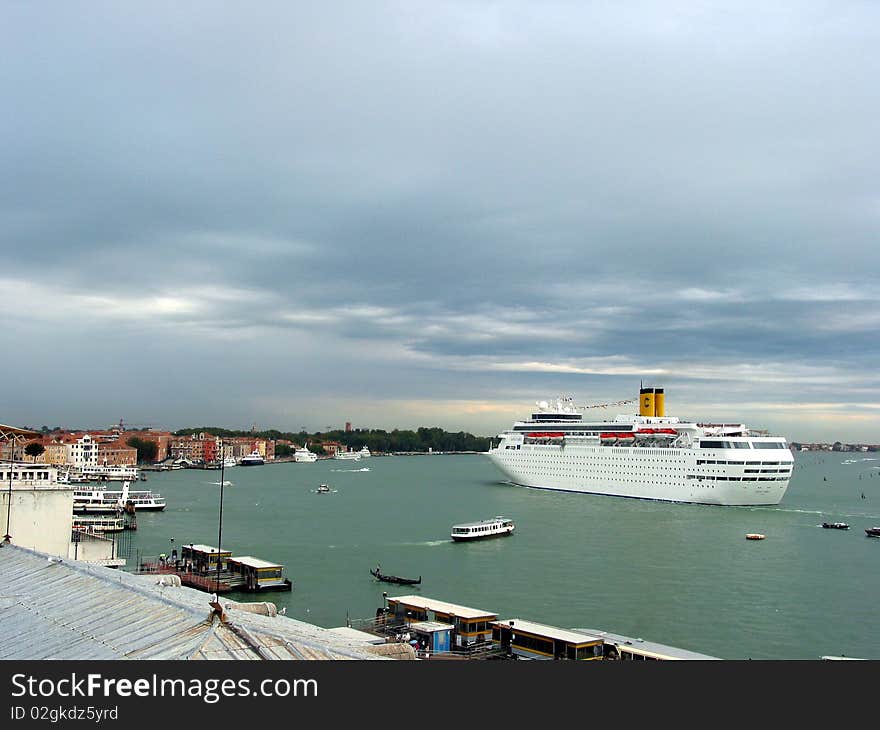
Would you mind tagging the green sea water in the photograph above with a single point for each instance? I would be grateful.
(677, 574)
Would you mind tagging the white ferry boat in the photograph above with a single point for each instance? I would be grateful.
(303, 455)
(349, 455)
(98, 524)
(110, 472)
(255, 458)
(364, 453)
(110, 501)
(229, 461)
(645, 456)
(496, 527)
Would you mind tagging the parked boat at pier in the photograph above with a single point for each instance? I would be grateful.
(304, 456)
(255, 458)
(110, 501)
(99, 524)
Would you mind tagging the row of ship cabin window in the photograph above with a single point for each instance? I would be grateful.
(741, 445)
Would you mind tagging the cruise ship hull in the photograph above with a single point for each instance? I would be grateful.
(664, 474)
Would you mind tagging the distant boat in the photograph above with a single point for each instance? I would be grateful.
(255, 458)
(323, 489)
(229, 461)
(872, 531)
(755, 536)
(395, 579)
(364, 453)
(835, 525)
(352, 455)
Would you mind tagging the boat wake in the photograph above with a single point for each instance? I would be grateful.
(366, 468)
(425, 543)
(226, 483)
(769, 508)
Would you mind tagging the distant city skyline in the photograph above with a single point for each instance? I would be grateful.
(294, 215)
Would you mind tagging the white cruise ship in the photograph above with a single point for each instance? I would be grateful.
(645, 456)
(304, 456)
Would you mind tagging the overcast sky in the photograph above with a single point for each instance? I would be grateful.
(402, 214)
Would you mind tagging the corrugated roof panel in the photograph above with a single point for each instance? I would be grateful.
(71, 610)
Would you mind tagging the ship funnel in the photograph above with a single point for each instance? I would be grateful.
(659, 405)
(646, 401)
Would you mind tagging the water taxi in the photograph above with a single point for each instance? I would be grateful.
(496, 527)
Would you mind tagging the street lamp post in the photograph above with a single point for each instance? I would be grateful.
(220, 523)
(8, 537)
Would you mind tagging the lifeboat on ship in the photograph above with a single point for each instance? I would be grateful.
(629, 436)
(547, 435)
(665, 433)
(645, 433)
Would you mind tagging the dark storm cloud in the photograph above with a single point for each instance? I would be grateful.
(512, 196)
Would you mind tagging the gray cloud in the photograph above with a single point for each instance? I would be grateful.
(388, 209)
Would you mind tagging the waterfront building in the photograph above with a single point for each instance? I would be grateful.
(82, 452)
(116, 454)
(37, 512)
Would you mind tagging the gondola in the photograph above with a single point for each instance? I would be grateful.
(395, 579)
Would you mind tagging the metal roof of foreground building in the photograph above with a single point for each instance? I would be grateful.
(63, 609)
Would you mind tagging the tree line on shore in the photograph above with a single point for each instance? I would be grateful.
(376, 440)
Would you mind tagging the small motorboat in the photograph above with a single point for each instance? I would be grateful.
(376, 573)
(323, 489)
(755, 536)
(872, 531)
(835, 525)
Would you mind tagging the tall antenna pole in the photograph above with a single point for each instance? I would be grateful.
(220, 527)
(7, 537)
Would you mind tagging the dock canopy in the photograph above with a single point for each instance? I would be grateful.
(258, 574)
(540, 641)
(471, 624)
(618, 646)
(204, 557)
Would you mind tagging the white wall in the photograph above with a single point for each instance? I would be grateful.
(40, 519)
